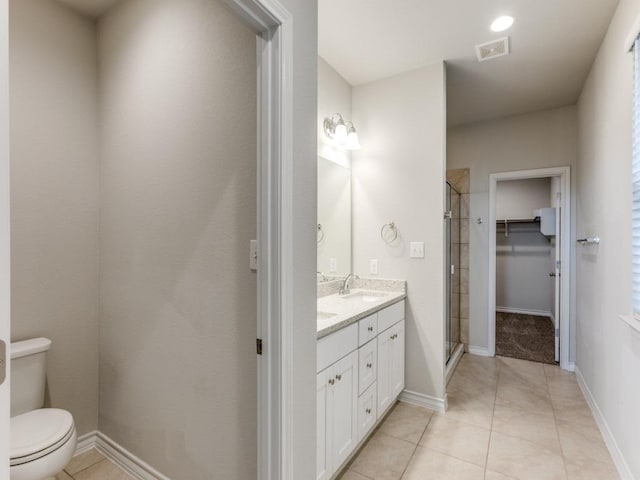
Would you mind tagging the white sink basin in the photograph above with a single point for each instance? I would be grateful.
(326, 315)
(366, 297)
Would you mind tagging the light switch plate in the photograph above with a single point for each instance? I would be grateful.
(416, 250)
(333, 265)
(373, 266)
(253, 255)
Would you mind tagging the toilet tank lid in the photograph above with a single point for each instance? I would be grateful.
(29, 347)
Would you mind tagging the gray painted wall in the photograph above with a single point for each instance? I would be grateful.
(608, 354)
(54, 197)
(178, 375)
(399, 176)
(61, 216)
(537, 140)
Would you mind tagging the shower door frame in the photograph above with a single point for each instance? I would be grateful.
(567, 334)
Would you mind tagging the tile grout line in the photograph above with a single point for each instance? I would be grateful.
(416, 447)
(495, 399)
(555, 421)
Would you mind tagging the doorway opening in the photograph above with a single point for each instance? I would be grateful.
(529, 255)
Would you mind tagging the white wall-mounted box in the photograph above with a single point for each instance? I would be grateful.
(548, 221)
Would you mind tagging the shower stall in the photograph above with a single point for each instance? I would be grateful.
(452, 267)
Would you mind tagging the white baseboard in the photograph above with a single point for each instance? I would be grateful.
(422, 400)
(524, 311)
(571, 367)
(86, 442)
(126, 460)
(616, 454)
(481, 351)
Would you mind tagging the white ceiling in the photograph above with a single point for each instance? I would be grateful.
(553, 44)
(90, 8)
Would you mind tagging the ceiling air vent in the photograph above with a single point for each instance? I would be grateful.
(493, 49)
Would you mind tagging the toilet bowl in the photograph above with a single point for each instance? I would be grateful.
(43, 440)
(42, 443)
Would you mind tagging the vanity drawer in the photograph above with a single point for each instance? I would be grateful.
(335, 346)
(368, 329)
(367, 414)
(367, 365)
(390, 316)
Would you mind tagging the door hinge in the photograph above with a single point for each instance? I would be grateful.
(558, 264)
(259, 346)
(557, 332)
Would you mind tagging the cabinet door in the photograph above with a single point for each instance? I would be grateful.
(323, 465)
(384, 353)
(344, 408)
(366, 412)
(396, 361)
(367, 365)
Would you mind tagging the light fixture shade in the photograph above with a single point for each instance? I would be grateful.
(340, 134)
(352, 140)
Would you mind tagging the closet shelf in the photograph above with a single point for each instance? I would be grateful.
(517, 220)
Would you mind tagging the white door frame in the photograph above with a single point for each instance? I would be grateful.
(5, 235)
(565, 297)
(273, 25)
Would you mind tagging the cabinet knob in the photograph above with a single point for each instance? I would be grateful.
(331, 381)
(368, 410)
(369, 365)
(370, 328)
(338, 377)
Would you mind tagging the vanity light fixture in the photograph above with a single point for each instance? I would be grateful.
(352, 138)
(336, 129)
(503, 23)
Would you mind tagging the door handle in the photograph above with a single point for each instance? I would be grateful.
(552, 274)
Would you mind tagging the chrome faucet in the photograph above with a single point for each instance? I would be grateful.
(345, 290)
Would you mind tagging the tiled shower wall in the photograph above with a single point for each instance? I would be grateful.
(459, 179)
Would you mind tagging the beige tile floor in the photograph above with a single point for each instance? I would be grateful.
(92, 465)
(507, 419)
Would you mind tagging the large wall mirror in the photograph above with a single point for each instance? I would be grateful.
(334, 219)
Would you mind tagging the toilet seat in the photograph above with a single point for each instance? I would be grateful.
(38, 433)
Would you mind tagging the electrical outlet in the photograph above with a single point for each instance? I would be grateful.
(373, 266)
(333, 265)
(416, 250)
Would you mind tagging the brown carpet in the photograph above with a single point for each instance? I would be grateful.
(527, 337)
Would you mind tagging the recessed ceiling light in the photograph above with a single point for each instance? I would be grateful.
(501, 24)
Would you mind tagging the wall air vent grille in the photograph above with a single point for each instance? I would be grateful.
(493, 49)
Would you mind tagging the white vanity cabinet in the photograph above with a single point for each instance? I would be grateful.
(337, 414)
(390, 365)
(352, 362)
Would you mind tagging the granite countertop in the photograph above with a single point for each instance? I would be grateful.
(336, 312)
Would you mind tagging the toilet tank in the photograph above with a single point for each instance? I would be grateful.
(28, 374)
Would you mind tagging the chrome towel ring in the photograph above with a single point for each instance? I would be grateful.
(389, 232)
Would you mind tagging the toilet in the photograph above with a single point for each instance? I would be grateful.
(43, 440)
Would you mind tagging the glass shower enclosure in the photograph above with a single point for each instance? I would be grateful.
(452, 273)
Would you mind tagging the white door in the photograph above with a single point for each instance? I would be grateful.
(323, 467)
(344, 408)
(557, 271)
(5, 319)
